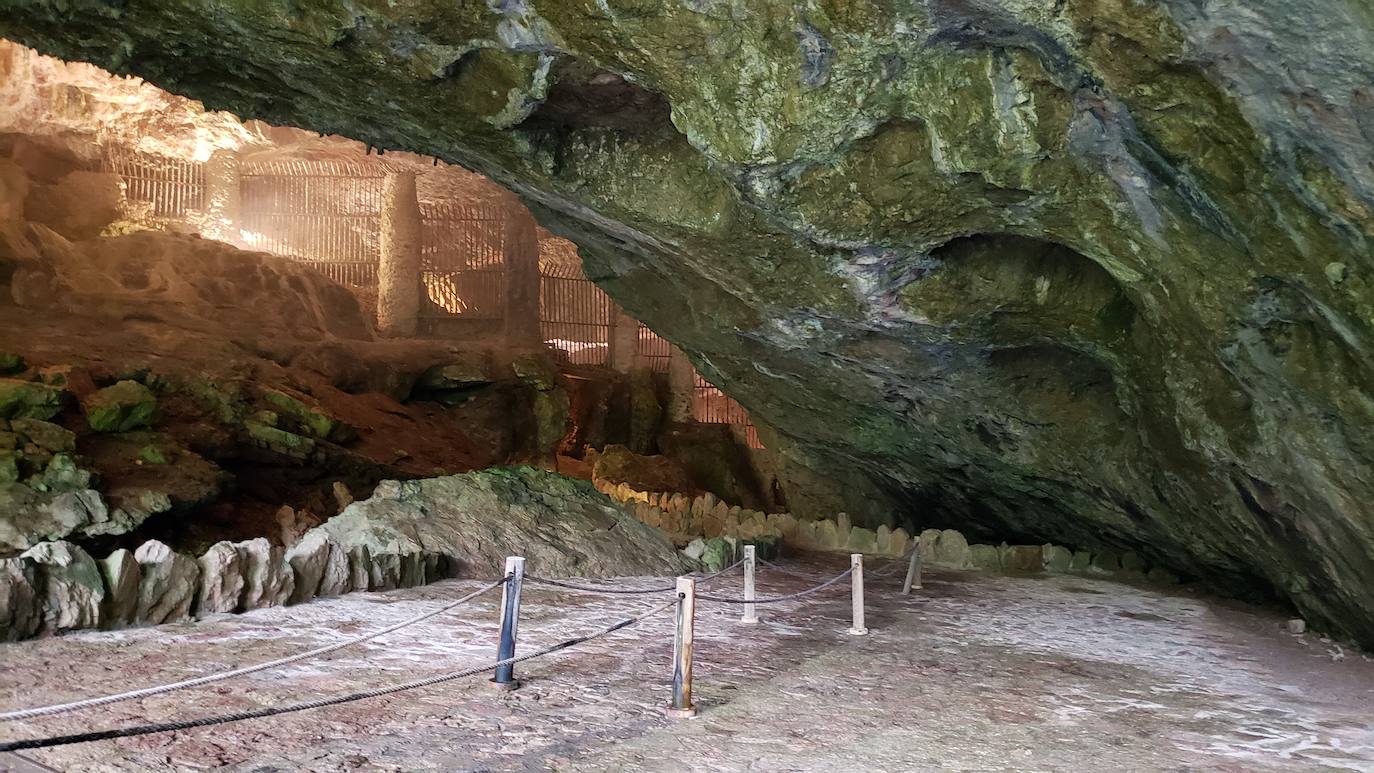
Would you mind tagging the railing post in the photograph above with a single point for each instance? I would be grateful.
(856, 591)
(749, 561)
(510, 621)
(913, 572)
(681, 706)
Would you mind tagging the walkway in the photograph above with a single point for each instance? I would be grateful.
(977, 672)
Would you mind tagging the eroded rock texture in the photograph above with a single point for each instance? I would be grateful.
(1092, 272)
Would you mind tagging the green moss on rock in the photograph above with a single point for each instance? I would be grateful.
(125, 406)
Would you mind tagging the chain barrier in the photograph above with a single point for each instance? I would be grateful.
(63, 708)
(624, 591)
(165, 727)
(777, 599)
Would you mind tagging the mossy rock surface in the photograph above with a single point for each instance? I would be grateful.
(124, 406)
(29, 399)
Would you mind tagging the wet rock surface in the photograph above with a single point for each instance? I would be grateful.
(975, 672)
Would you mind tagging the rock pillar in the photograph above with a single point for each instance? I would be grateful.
(681, 384)
(521, 251)
(624, 354)
(398, 273)
(222, 198)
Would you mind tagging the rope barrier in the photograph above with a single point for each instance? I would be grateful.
(62, 708)
(624, 591)
(776, 599)
(166, 727)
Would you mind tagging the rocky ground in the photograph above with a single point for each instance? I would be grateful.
(975, 672)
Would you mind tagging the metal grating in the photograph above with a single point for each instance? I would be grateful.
(172, 187)
(653, 349)
(712, 406)
(574, 315)
(463, 260)
(321, 213)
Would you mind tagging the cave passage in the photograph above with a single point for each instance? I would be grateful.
(968, 309)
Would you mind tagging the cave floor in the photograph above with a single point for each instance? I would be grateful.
(975, 672)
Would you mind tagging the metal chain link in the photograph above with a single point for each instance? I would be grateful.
(62, 708)
(165, 727)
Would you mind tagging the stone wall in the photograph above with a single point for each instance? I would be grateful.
(716, 523)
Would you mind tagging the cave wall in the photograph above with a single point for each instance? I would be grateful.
(1091, 272)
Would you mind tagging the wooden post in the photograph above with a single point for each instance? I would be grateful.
(749, 561)
(856, 592)
(398, 272)
(913, 572)
(510, 621)
(682, 707)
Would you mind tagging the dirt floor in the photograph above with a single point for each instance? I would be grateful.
(975, 672)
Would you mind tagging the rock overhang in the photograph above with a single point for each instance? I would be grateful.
(1057, 273)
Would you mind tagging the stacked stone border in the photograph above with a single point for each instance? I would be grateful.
(716, 530)
(57, 586)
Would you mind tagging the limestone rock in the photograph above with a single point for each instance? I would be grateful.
(309, 559)
(926, 544)
(1106, 562)
(1057, 558)
(29, 399)
(562, 527)
(619, 465)
(222, 580)
(268, 581)
(1022, 558)
(122, 576)
(21, 613)
(968, 250)
(168, 586)
(337, 577)
(122, 407)
(51, 437)
(985, 557)
(952, 550)
(71, 586)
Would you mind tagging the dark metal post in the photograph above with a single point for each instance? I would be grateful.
(510, 621)
(913, 572)
(681, 706)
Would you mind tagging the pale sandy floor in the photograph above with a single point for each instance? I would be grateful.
(975, 673)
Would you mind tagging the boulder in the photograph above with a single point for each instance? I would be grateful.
(952, 550)
(985, 557)
(29, 399)
(168, 586)
(122, 576)
(222, 580)
(268, 581)
(619, 465)
(337, 577)
(45, 435)
(309, 559)
(1022, 558)
(1056, 558)
(125, 406)
(79, 205)
(70, 586)
(562, 526)
(21, 613)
